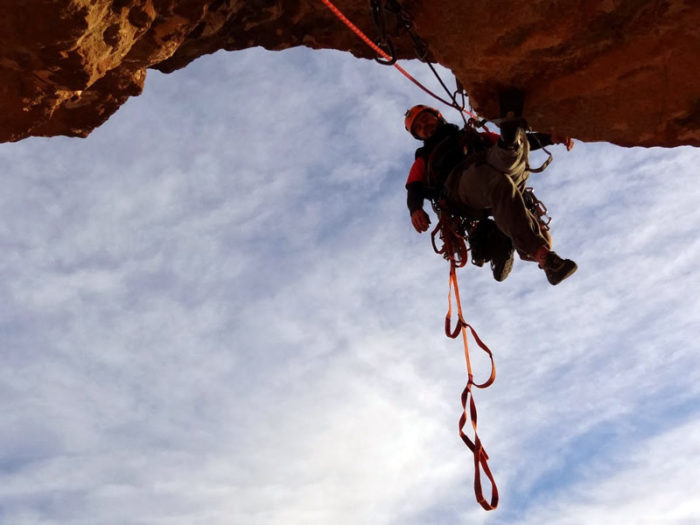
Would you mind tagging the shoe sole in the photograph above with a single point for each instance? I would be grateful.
(505, 271)
(558, 279)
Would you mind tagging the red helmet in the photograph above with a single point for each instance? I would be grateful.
(413, 113)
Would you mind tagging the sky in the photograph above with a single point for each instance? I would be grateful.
(215, 311)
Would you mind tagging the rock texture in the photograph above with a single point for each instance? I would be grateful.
(622, 71)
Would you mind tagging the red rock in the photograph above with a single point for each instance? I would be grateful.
(622, 71)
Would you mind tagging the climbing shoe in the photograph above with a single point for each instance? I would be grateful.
(488, 243)
(557, 269)
(502, 264)
(502, 253)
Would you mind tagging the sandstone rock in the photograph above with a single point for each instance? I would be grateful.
(623, 71)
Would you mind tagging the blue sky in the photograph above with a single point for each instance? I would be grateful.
(216, 311)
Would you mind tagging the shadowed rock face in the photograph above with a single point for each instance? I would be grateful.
(622, 71)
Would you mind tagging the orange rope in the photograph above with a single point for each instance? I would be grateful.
(480, 455)
(385, 56)
(451, 239)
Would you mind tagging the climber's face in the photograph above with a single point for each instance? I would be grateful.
(425, 125)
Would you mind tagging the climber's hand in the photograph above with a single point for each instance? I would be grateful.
(420, 220)
(567, 141)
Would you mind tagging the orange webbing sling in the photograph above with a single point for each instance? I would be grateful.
(454, 249)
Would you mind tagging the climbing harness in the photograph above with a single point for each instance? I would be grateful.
(454, 248)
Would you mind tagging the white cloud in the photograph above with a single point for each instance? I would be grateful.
(216, 311)
(650, 482)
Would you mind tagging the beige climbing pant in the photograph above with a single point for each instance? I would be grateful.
(495, 181)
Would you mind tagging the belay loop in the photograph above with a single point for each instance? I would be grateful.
(454, 249)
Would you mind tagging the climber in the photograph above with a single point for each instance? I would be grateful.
(478, 174)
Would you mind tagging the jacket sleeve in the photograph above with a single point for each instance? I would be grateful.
(415, 186)
(417, 173)
(415, 196)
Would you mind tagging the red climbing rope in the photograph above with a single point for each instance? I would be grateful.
(454, 249)
(385, 56)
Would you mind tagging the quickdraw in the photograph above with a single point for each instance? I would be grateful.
(537, 207)
(389, 59)
(383, 40)
(545, 164)
(454, 249)
(404, 24)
